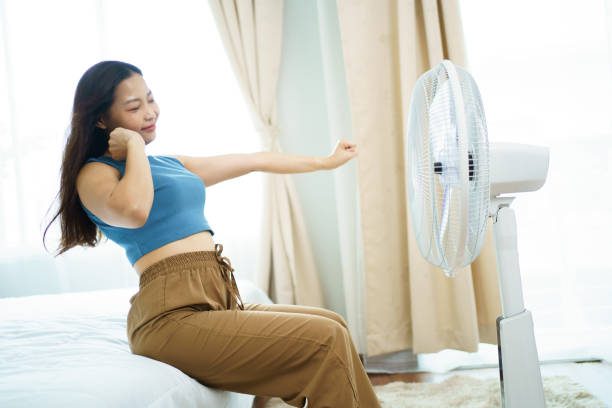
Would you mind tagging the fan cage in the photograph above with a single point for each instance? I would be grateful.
(433, 172)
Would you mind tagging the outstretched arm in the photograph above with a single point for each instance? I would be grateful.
(215, 169)
(275, 162)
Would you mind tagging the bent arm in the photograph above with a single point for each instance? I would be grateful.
(135, 189)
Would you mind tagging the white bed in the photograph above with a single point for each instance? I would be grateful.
(71, 350)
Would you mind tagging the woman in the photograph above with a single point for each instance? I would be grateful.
(188, 311)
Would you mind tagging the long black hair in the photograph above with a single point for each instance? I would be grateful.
(93, 98)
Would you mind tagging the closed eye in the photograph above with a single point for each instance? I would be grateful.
(135, 109)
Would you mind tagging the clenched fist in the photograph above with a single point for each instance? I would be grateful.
(343, 152)
(118, 142)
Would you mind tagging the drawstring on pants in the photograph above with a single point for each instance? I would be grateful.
(228, 274)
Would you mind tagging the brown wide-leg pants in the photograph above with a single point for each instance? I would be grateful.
(186, 314)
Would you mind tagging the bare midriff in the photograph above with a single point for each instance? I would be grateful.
(200, 241)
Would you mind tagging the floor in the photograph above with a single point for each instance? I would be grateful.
(596, 377)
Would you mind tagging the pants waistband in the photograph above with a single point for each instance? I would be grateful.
(178, 261)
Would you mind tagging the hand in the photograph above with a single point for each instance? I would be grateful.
(118, 142)
(343, 152)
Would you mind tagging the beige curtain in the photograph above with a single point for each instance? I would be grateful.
(251, 33)
(409, 303)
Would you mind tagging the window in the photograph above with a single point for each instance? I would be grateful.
(543, 69)
(202, 113)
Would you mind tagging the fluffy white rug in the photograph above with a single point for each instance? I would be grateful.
(466, 391)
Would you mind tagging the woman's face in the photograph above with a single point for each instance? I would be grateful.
(133, 108)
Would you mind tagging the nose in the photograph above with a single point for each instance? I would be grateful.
(151, 113)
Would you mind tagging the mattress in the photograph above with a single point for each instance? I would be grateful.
(71, 350)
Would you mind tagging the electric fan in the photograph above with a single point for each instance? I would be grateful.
(454, 180)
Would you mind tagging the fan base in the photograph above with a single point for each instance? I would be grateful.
(519, 367)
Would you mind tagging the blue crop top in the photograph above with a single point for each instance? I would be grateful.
(177, 210)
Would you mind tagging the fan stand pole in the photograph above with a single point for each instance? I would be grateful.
(519, 368)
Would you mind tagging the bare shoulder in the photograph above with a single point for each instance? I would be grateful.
(93, 177)
(96, 169)
(95, 184)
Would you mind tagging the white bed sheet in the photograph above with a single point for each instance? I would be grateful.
(71, 350)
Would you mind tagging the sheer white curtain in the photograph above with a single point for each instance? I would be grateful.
(544, 72)
(45, 48)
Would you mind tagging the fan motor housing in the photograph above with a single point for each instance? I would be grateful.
(517, 168)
